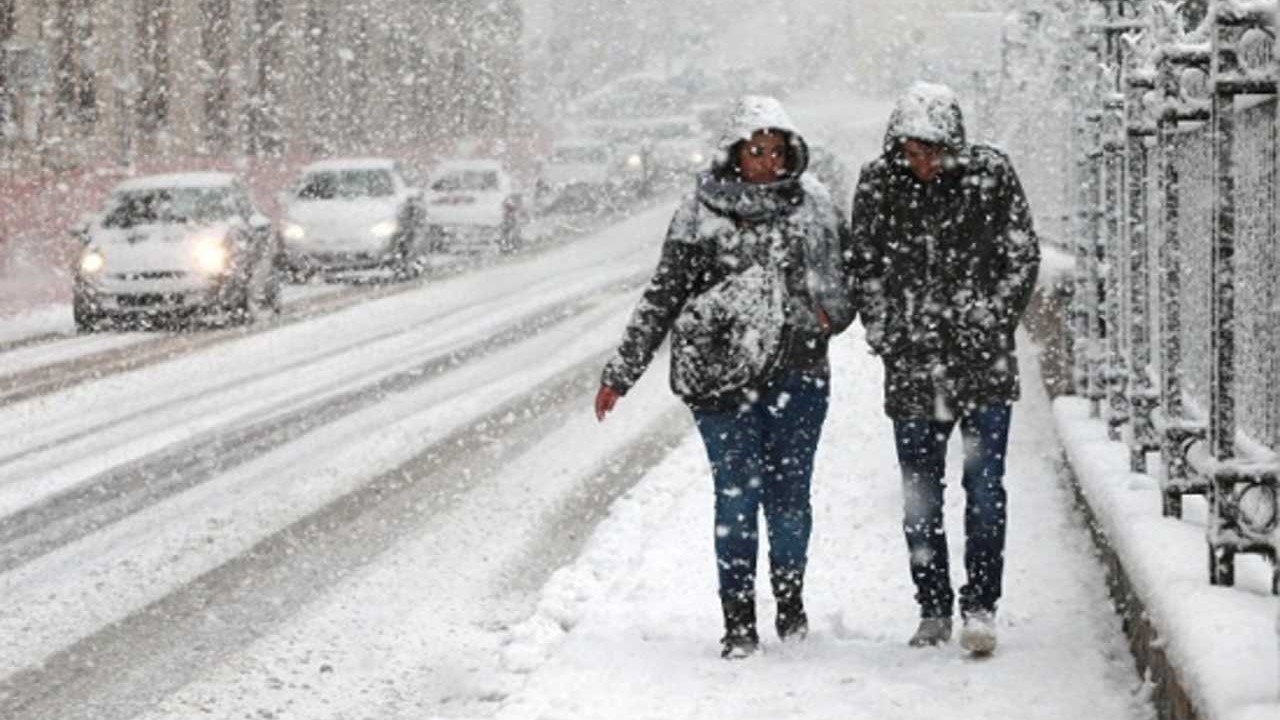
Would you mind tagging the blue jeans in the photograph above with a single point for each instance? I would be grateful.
(922, 450)
(762, 456)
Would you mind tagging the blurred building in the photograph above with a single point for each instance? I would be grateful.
(84, 81)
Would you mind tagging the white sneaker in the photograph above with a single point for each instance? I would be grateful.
(978, 636)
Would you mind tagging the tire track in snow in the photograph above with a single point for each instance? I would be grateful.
(121, 492)
(95, 365)
(123, 668)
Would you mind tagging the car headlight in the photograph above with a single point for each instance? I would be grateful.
(384, 229)
(696, 158)
(92, 262)
(294, 231)
(634, 161)
(211, 254)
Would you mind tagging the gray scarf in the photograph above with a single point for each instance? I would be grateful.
(749, 202)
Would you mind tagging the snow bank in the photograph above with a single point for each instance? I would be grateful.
(1222, 640)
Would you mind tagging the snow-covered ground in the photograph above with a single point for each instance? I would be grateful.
(632, 625)
(1224, 641)
(404, 508)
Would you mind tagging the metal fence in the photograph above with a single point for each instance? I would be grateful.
(1176, 313)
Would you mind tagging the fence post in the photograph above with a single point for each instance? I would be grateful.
(1176, 432)
(1229, 529)
(1113, 162)
(1079, 196)
(1143, 396)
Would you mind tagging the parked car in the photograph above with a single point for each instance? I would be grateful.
(354, 214)
(473, 205)
(175, 245)
(578, 174)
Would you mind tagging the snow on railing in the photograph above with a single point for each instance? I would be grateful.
(1246, 11)
(1206, 399)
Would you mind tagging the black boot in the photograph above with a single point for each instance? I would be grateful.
(788, 589)
(740, 637)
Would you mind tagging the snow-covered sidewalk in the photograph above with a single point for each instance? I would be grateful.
(1224, 642)
(630, 629)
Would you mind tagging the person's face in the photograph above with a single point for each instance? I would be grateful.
(763, 158)
(924, 159)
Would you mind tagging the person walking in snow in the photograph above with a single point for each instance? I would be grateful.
(751, 284)
(946, 259)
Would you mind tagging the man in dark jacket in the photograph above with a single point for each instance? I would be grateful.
(946, 258)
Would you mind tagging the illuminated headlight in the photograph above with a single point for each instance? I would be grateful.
(211, 254)
(92, 262)
(384, 229)
(1257, 507)
(697, 158)
(294, 231)
(634, 161)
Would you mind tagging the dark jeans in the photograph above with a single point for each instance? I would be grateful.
(922, 449)
(762, 456)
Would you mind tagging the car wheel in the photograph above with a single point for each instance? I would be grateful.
(273, 291)
(407, 267)
(435, 239)
(238, 309)
(509, 240)
(404, 264)
(86, 320)
(296, 273)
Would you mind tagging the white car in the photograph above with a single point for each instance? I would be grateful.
(577, 174)
(654, 150)
(175, 245)
(472, 205)
(353, 214)
(677, 145)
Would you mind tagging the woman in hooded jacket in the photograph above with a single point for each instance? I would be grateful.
(751, 284)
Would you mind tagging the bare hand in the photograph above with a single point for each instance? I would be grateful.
(824, 322)
(606, 398)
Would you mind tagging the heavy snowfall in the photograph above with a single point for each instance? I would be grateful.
(304, 306)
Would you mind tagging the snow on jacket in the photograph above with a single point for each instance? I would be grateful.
(946, 268)
(789, 226)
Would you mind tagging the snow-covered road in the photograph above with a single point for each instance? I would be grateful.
(402, 507)
(126, 498)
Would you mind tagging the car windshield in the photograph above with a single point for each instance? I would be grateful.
(579, 154)
(170, 206)
(466, 181)
(346, 185)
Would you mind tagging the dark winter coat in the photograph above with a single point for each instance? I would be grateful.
(946, 268)
(726, 225)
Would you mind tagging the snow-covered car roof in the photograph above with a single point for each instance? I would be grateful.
(177, 180)
(355, 163)
(445, 166)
